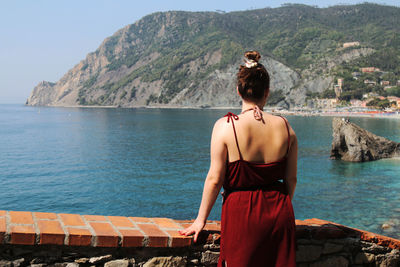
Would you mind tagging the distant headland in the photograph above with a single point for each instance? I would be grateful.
(332, 57)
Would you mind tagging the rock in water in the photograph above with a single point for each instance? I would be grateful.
(353, 143)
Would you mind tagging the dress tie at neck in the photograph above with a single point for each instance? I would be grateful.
(231, 116)
(258, 115)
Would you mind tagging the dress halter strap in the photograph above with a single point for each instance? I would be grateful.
(288, 132)
(232, 117)
(257, 113)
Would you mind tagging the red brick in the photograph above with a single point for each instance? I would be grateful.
(316, 221)
(299, 222)
(131, 238)
(140, 219)
(51, 232)
(3, 229)
(45, 215)
(185, 225)
(95, 218)
(379, 239)
(79, 236)
(3, 226)
(157, 238)
(105, 234)
(3, 213)
(119, 221)
(178, 240)
(368, 236)
(184, 221)
(72, 220)
(166, 223)
(21, 217)
(22, 235)
(212, 227)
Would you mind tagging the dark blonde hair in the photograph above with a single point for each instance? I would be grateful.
(252, 77)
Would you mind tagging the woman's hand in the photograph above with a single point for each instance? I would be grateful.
(195, 229)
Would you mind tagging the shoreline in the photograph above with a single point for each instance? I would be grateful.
(380, 115)
(272, 110)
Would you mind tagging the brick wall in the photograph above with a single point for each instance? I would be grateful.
(48, 239)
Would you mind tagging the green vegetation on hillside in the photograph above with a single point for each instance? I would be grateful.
(382, 104)
(394, 91)
(356, 84)
(175, 43)
(385, 58)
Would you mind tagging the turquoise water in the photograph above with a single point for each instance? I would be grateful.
(152, 162)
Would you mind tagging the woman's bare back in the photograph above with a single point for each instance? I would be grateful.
(259, 141)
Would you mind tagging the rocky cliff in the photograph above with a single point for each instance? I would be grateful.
(352, 143)
(191, 58)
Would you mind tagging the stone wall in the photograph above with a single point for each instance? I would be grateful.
(47, 239)
(325, 244)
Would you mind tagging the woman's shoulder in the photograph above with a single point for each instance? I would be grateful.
(223, 121)
(280, 121)
(275, 118)
(221, 129)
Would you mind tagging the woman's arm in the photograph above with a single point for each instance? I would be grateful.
(291, 168)
(213, 182)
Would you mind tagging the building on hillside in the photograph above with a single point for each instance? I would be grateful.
(338, 90)
(388, 87)
(385, 83)
(356, 75)
(370, 95)
(369, 82)
(326, 103)
(340, 83)
(350, 44)
(338, 87)
(369, 70)
(358, 103)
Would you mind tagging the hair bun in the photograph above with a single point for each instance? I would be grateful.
(252, 55)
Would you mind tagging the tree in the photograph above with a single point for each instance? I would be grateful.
(376, 102)
(394, 91)
(328, 93)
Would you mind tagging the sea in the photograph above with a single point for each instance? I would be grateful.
(153, 162)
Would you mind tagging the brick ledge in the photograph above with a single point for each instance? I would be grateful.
(42, 228)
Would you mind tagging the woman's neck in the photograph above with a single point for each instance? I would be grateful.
(248, 105)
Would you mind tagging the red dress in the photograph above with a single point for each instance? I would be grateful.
(257, 220)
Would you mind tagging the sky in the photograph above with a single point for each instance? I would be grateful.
(43, 39)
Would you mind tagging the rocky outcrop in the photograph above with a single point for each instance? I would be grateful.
(352, 143)
(42, 94)
(217, 89)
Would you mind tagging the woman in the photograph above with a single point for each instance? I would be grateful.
(254, 157)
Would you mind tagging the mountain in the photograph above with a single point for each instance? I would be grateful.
(190, 59)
